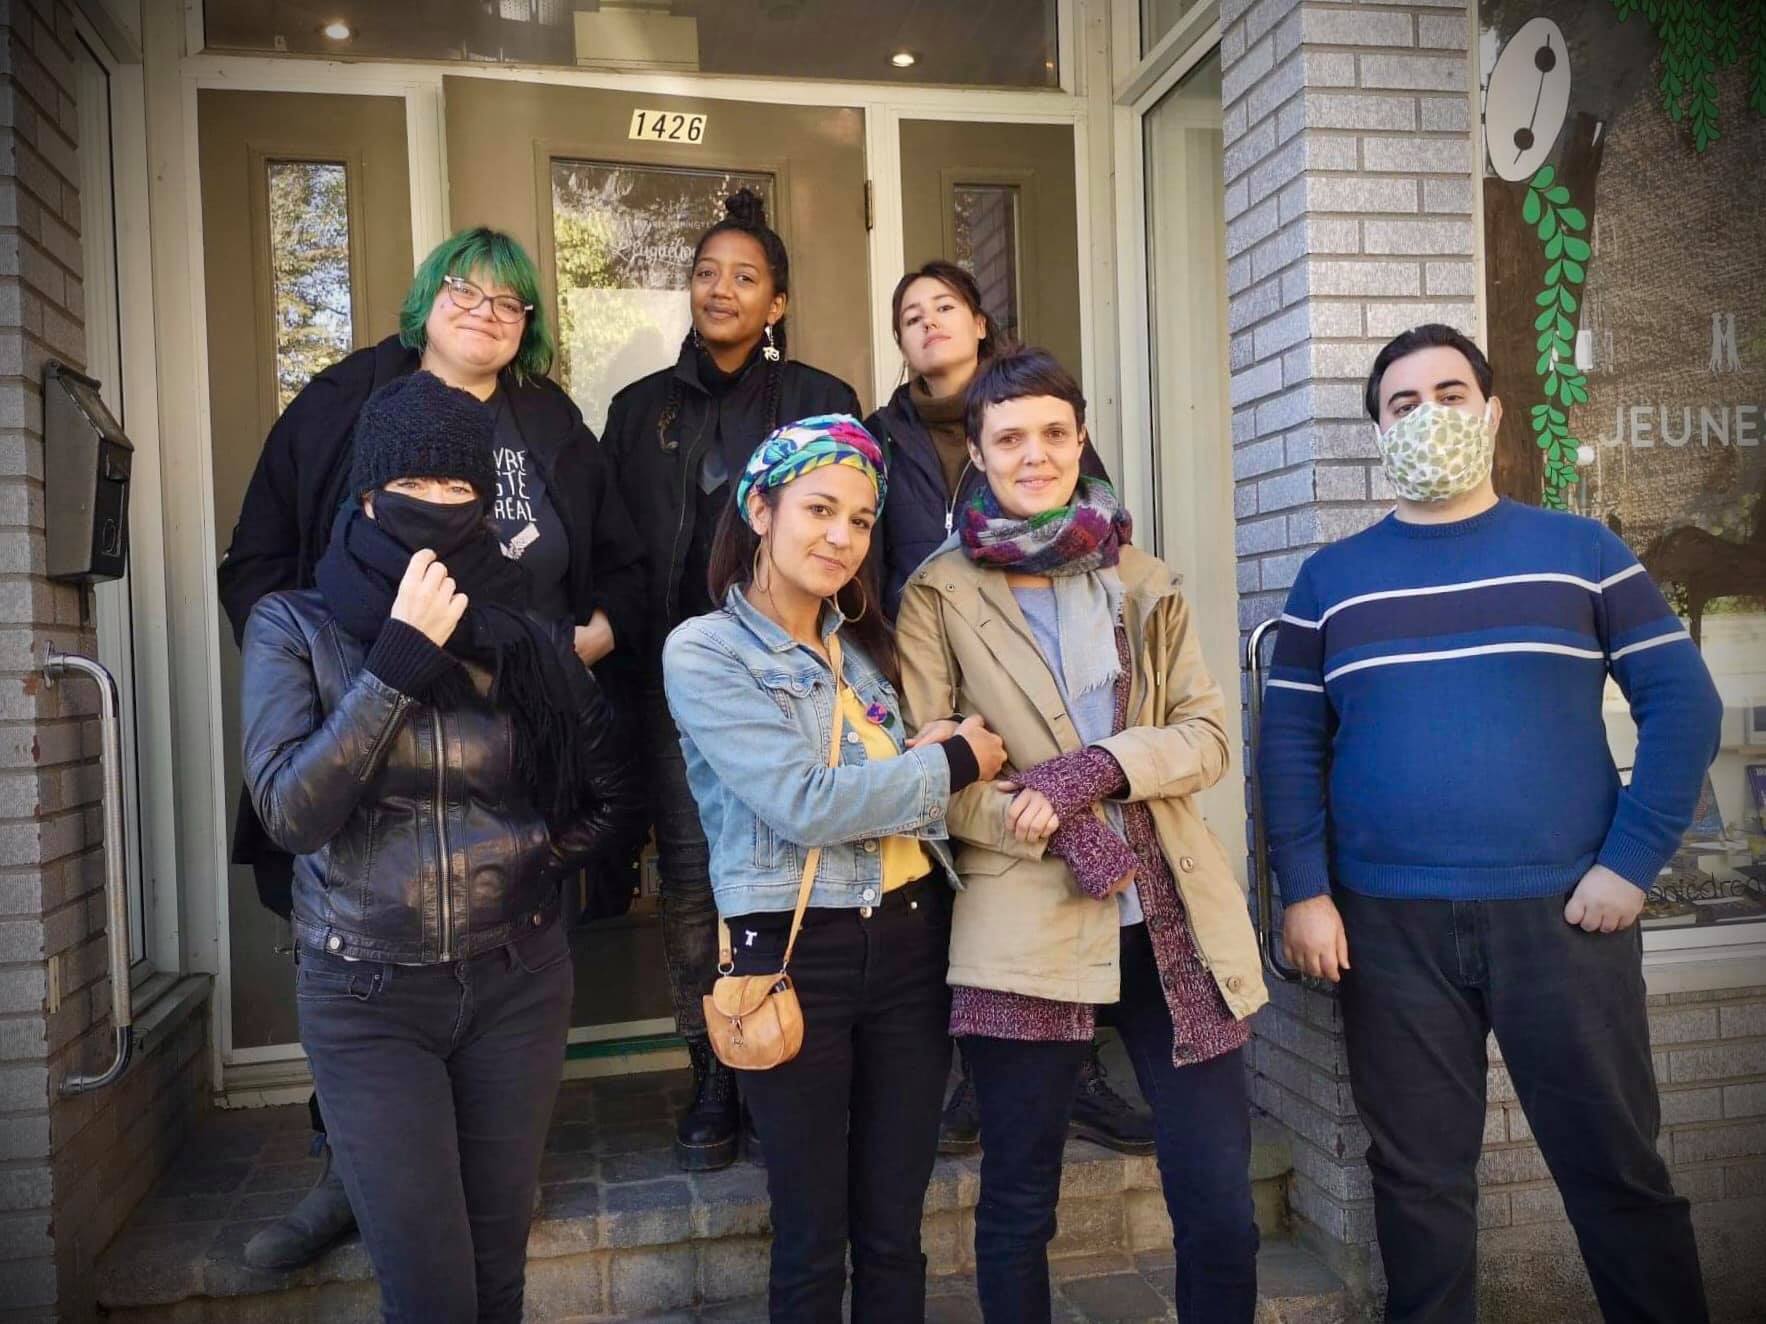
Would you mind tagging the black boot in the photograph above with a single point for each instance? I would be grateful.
(706, 1138)
(959, 1130)
(1104, 1117)
(305, 1232)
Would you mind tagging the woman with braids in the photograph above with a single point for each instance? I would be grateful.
(946, 337)
(677, 440)
(797, 662)
(1090, 882)
(437, 759)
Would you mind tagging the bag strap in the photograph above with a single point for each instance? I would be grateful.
(726, 952)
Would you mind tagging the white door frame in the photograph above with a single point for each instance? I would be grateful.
(171, 188)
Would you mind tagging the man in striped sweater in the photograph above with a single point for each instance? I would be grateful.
(1456, 850)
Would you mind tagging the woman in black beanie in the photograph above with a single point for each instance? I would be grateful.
(436, 758)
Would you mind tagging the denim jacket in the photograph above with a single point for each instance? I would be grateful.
(754, 710)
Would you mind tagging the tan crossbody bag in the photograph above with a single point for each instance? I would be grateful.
(755, 1021)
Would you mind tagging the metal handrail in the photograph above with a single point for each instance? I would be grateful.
(116, 872)
(1268, 937)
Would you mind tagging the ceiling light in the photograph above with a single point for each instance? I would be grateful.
(337, 30)
(904, 59)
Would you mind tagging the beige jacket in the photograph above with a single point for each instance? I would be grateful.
(1022, 924)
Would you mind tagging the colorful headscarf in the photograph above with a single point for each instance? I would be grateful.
(798, 448)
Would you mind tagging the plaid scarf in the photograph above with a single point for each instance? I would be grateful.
(1085, 535)
(1077, 547)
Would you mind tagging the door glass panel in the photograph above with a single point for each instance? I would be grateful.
(995, 43)
(1160, 16)
(622, 243)
(1187, 335)
(309, 269)
(986, 218)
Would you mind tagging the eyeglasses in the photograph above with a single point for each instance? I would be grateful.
(466, 296)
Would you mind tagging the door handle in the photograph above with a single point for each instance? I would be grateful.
(116, 872)
(1262, 881)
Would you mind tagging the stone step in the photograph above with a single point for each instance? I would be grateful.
(620, 1231)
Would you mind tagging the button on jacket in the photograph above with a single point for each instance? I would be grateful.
(415, 842)
(755, 710)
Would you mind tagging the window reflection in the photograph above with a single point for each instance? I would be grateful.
(986, 230)
(309, 269)
(622, 242)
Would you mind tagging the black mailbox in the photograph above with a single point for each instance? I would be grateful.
(86, 462)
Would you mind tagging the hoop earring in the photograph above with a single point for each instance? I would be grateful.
(864, 598)
(771, 352)
(754, 570)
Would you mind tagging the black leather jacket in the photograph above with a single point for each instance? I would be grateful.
(415, 843)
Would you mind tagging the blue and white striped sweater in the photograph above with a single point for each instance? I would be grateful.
(1433, 727)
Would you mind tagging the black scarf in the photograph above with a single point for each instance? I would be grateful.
(531, 679)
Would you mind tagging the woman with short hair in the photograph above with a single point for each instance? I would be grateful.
(1089, 880)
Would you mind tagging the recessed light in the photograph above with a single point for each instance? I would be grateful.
(337, 30)
(904, 59)
(1049, 65)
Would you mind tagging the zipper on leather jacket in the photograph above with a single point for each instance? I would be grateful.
(441, 840)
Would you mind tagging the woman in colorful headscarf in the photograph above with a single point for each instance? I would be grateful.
(759, 689)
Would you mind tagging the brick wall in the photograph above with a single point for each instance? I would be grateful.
(1349, 169)
(1349, 218)
(1710, 1061)
(69, 1170)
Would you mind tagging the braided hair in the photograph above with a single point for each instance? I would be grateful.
(744, 213)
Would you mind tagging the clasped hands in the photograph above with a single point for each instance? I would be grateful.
(1031, 815)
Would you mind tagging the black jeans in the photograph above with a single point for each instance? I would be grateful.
(683, 862)
(438, 1083)
(850, 1125)
(1202, 1117)
(1429, 980)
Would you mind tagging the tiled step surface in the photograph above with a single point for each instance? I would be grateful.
(620, 1233)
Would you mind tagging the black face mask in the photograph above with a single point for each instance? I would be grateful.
(444, 528)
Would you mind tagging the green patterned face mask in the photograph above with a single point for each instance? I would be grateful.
(1435, 452)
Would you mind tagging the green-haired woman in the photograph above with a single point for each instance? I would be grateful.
(474, 318)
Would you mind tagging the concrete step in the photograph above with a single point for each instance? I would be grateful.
(620, 1233)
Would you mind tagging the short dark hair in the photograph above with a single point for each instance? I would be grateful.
(1016, 375)
(1431, 335)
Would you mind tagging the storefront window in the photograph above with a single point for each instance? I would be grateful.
(622, 243)
(1627, 306)
(983, 43)
(309, 269)
(986, 229)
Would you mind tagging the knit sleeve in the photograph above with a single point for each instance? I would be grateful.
(1097, 856)
(1076, 781)
(1676, 708)
(1293, 746)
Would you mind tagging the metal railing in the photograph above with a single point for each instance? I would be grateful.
(116, 870)
(1263, 884)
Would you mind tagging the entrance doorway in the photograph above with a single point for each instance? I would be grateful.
(307, 252)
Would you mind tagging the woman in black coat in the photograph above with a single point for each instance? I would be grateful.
(472, 318)
(678, 441)
(437, 759)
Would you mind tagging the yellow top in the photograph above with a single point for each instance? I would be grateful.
(904, 858)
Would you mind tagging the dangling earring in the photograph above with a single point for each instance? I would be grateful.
(864, 599)
(697, 342)
(771, 352)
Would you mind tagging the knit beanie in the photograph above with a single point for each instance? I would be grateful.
(417, 426)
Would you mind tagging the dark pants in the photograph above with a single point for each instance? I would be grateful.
(683, 862)
(438, 1084)
(1202, 1117)
(1429, 980)
(850, 1125)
